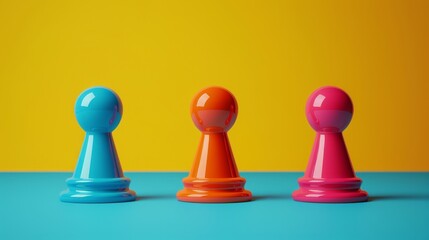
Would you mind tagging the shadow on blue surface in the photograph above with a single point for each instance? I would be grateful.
(154, 197)
(398, 197)
(254, 198)
(271, 197)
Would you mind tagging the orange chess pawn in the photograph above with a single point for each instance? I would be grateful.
(214, 177)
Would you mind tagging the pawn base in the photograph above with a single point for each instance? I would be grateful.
(329, 196)
(97, 197)
(187, 195)
(104, 190)
(214, 190)
(345, 190)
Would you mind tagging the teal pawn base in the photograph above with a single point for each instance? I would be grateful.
(100, 190)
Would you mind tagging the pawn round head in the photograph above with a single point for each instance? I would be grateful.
(98, 109)
(214, 109)
(329, 109)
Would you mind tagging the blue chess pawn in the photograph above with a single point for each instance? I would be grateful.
(98, 177)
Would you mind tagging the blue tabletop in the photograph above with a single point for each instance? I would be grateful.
(398, 209)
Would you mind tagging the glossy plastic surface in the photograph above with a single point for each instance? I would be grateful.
(329, 176)
(98, 176)
(214, 176)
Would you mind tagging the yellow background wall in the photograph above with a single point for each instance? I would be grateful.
(271, 54)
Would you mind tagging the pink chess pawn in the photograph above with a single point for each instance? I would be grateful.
(329, 176)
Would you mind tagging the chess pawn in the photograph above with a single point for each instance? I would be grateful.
(214, 177)
(329, 176)
(98, 177)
